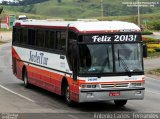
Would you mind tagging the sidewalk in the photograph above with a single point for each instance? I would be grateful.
(6, 36)
(155, 35)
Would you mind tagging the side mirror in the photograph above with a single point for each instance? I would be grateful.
(75, 60)
(145, 53)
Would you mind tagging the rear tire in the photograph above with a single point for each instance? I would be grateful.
(25, 79)
(120, 103)
(67, 96)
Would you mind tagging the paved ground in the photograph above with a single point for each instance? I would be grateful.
(4, 25)
(155, 35)
(152, 63)
(5, 36)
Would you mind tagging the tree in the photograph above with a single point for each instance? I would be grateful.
(4, 3)
(59, 1)
(1, 9)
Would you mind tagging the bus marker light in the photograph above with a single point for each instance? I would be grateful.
(90, 95)
(138, 92)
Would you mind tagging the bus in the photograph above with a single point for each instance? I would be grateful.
(83, 61)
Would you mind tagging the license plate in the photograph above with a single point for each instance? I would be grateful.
(114, 93)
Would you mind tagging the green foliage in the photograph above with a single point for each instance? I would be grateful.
(155, 25)
(150, 50)
(5, 30)
(1, 9)
(86, 9)
(154, 46)
(153, 50)
(150, 40)
(153, 54)
(157, 49)
(59, 1)
(147, 32)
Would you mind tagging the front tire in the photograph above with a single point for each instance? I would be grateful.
(67, 96)
(120, 103)
(25, 79)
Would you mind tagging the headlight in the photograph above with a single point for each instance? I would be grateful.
(89, 86)
(137, 84)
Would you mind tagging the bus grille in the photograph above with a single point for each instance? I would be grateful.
(119, 85)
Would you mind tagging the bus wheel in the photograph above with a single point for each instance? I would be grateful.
(67, 96)
(25, 79)
(120, 103)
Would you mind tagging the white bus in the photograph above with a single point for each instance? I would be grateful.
(82, 61)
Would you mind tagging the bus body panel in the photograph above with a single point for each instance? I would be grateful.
(96, 96)
(115, 84)
(42, 77)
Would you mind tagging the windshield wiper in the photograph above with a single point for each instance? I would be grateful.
(124, 65)
(106, 61)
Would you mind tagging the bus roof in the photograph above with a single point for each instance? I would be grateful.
(82, 26)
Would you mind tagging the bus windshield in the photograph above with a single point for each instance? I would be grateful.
(96, 58)
(110, 58)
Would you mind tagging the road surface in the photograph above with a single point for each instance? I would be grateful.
(14, 98)
(152, 63)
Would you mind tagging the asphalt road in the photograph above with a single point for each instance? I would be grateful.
(152, 63)
(36, 103)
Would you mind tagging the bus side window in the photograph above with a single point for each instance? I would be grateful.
(52, 40)
(21, 36)
(63, 40)
(47, 39)
(31, 37)
(16, 35)
(24, 36)
(60, 40)
(40, 38)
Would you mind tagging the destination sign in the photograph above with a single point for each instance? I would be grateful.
(112, 38)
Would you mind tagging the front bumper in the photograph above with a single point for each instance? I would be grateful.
(103, 95)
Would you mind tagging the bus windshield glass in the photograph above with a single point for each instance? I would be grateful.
(96, 58)
(110, 58)
(128, 57)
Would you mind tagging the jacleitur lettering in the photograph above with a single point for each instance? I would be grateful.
(38, 58)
